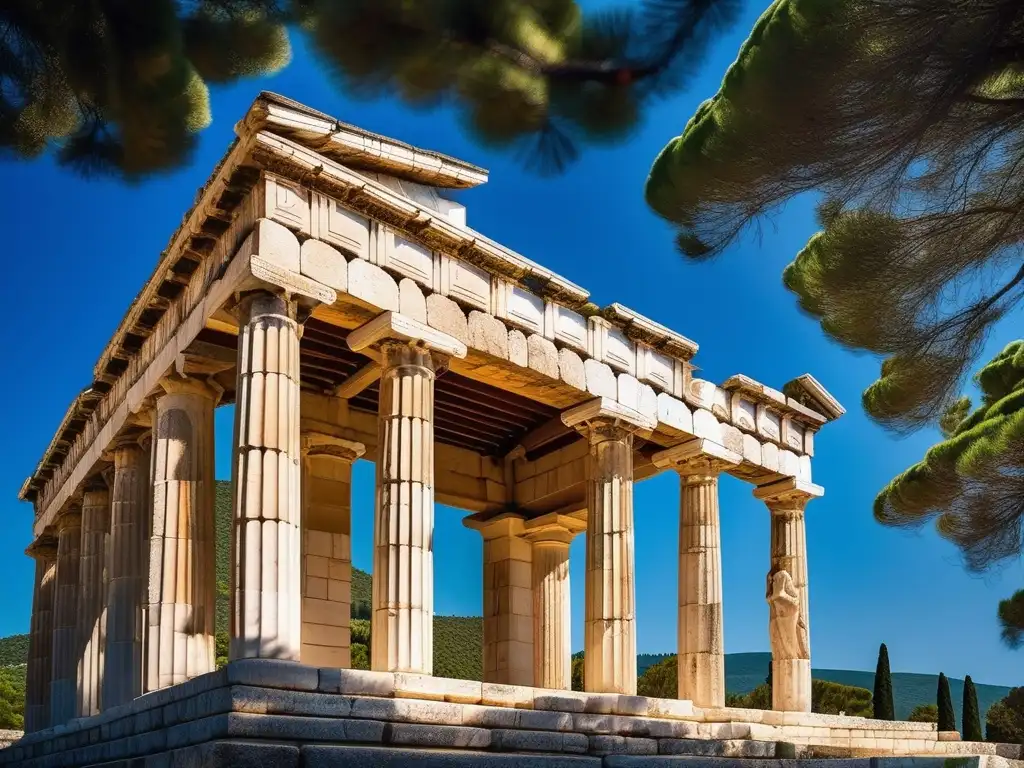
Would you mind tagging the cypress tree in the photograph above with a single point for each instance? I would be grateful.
(971, 730)
(947, 719)
(883, 707)
(768, 682)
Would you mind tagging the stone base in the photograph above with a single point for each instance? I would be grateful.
(273, 714)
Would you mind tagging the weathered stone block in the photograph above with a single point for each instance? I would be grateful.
(277, 702)
(393, 757)
(373, 285)
(517, 350)
(622, 745)
(271, 673)
(560, 702)
(542, 355)
(443, 736)
(600, 379)
(357, 682)
(571, 369)
(408, 711)
(321, 262)
(539, 720)
(488, 334)
(503, 695)
(444, 315)
(411, 301)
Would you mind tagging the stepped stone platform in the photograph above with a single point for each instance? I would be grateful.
(276, 714)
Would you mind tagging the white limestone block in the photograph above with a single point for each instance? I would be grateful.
(600, 379)
(340, 227)
(517, 353)
(275, 244)
(655, 368)
(408, 258)
(648, 402)
(542, 354)
(411, 301)
(674, 414)
(770, 456)
(488, 334)
(570, 327)
(286, 202)
(701, 394)
(319, 261)
(524, 309)
(751, 449)
(628, 391)
(373, 285)
(744, 412)
(469, 284)
(769, 424)
(732, 438)
(804, 473)
(788, 463)
(721, 403)
(444, 315)
(706, 425)
(792, 435)
(571, 369)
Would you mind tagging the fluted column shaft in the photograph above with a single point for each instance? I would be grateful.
(40, 651)
(179, 628)
(787, 593)
(610, 620)
(66, 637)
(701, 638)
(552, 640)
(126, 591)
(92, 599)
(266, 595)
(403, 560)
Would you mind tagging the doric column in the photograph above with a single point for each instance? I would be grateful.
(266, 596)
(610, 619)
(508, 599)
(403, 527)
(552, 639)
(130, 494)
(179, 639)
(66, 644)
(701, 644)
(789, 617)
(40, 645)
(92, 597)
(327, 549)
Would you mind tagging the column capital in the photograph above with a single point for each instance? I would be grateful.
(697, 458)
(394, 327)
(497, 526)
(43, 548)
(553, 528)
(321, 444)
(788, 495)
(176, 384)
(605, 412)
(70, 516)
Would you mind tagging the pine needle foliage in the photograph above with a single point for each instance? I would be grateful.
(1011, 619)
(122, 88)
(906, 118)
(1004, 721)
(972, 483)
(882, 698)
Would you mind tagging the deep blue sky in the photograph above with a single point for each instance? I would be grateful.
(77, 252)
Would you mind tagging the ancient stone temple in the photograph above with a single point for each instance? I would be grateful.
(325, 284)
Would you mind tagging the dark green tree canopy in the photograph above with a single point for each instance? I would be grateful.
(973, 481)
(947, 717)
(882, 697)
(971, 728)
(1011, 619)
(122, 87)
(906, 118)
(1004, 721)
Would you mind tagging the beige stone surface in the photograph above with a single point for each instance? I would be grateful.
(518, 353)
(131, 499)
(571, 369)
(327, 549)
(372, 285)
(600, 379)
(321, 262)
(267, 595)
(92, 598)
(40, 654)
(543, 356)
(403, 559)
(444, 315)
(508, 610)
(488, 334)
(411, 301)
(66, 636)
